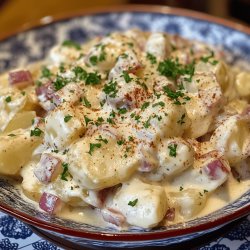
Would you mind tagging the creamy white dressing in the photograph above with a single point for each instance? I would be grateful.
(152, 148)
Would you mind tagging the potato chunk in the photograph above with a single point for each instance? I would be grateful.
(16, 150)
(142, 204)
(97, 161)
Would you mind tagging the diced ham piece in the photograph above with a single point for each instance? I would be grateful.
(215, 169)
(45, 92)
(48, 168)
(20, 79)
(170, 214)
(112, 216)
(50, 203)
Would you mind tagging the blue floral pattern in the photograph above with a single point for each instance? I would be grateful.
(13, 228)
(44, 245)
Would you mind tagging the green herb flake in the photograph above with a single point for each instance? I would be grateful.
(173, 69)
(71, 44)
(147, 123)
(126, 77)
(65, 172)
(151, 58)
(46, 73)
(110, 89)
(36, 132)
(92, 147)
(145, 105)
(93, 79)
(85, 102)
(131, 138)
(120, 142)
(102, 139)
(93, 60)
(162, 104)
(80, 73)
(11, 135)
(133, 203)
(181, 188)
(122, 111)
(60, 82)
(172, 150)
(8, 99)
(67, 118)
(87, 120)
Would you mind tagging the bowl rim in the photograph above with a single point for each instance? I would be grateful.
(47, 20)
(129, 237)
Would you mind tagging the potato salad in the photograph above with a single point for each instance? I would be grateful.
(134, 128)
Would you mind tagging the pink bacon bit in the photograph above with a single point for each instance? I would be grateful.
(170, 214)
(20, 79)
(45, 92)
(48, 168)
(214, 169)
(113, 216)
(50, 203)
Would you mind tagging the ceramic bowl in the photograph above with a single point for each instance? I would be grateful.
(33, 44)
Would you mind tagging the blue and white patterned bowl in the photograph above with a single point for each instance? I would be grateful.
(33, 44)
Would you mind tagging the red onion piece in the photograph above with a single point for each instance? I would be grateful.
(214, 168)
(113, 216)
(20, 79)
(48, 168)
(50, 203)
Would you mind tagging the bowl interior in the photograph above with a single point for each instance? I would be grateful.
(33, 45)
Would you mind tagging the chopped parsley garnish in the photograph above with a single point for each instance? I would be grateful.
(23, 92)
(120, 142)
(110, 120)
(8, 99)
(85, 102)
(110, 89)
(206, 59)
(174, 95)
(11, 135)
(142, 84)
(131, 138)
(133, 203)
(67, 118)
(65, 171)
(93, 60)
(36, 132)
(162, 104)
(124, 55)
(205, 191)
(55, 151)
(126, 76)
(60, 82)
(87, 120)
(147, 123)
(61, 68)
(80, 73)
(137, 118)
(172, 150)
(145, 105)
(93, 79)
(46, 73)
(122, 111)
(92, 147)
(172, 68)
(102, 139)
(71, 44)
(181, 188)
(181, 121)
(151, 58)
(99, 121)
